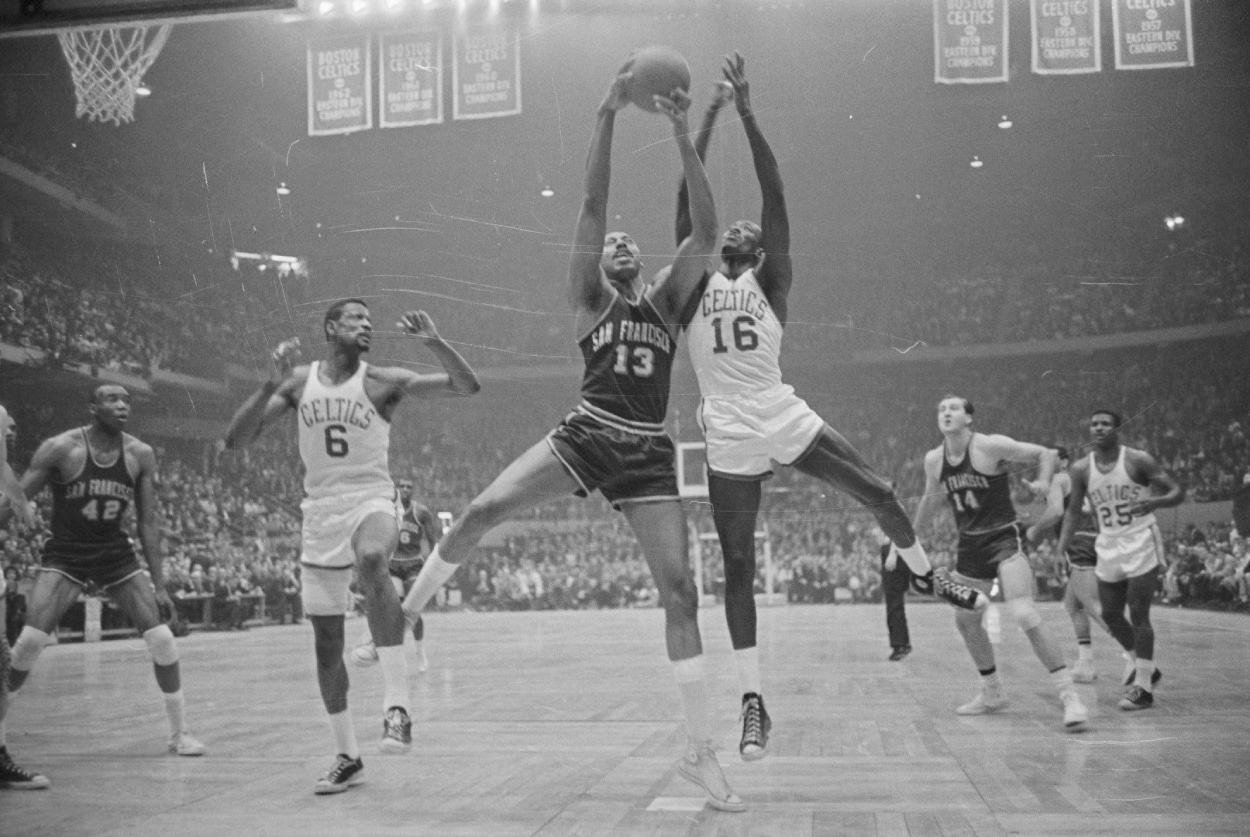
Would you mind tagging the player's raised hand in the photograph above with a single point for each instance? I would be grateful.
(674, 106)
(735, 71)
(286, 356)
(418, 324)
(617, 95)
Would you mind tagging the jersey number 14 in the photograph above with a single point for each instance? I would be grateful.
(967, 503)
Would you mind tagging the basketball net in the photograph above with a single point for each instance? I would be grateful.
(107, 64)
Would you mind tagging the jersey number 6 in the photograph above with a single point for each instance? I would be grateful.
(336, 445)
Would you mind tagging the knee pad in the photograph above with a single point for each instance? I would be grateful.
(161, 643)
(1025, 613)
(28, 647)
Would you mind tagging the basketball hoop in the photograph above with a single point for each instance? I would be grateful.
(108, 63)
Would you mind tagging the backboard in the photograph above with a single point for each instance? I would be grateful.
(692, 469)
(44, 17)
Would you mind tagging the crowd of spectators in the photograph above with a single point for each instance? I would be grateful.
(234, 514)
(108, 312)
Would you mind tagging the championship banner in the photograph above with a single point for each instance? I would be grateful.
(410, 73)
(1150, 34)
(969, 41)
(486, 75)
(340, 85)
(1066, 37)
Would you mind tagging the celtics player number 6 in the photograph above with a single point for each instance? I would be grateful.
(336, 445)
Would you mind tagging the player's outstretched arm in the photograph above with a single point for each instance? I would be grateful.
(724, 93)
(776, 273)
(277, 395)
(691, 260)
(931, 500)
(43, 465)
(1054, 509)
(1007, 449)
(1078, 476)
(588, 288)
(1167, 491)
(458, 377)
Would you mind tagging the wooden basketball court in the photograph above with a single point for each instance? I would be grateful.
(567, 723)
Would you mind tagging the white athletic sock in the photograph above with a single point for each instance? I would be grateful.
(176, 709)
(1085, 652)
(395, 676)
(366, 636)
(432, 576)
(1145, 670)
(691, 682)
(991, 682)
(915, 558)
(1062, 679)
(748, 663)
(344, 734)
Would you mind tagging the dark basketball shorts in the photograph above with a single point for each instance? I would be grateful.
(104, 569)
(979, 555)
(621, 465)
(1081, 551)
(406, 570)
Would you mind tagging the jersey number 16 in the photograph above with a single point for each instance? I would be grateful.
(744, 338)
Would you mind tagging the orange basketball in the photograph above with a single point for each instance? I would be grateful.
(657, 70)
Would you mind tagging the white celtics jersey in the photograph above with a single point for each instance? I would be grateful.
(343, 441)
(734, 337)
(1111, 495)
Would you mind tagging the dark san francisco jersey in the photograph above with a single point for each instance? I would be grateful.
(87, 511)
(412, 534)
(981, 502)
(629, 362)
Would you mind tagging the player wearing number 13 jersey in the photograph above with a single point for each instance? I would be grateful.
(614, 440)
(343, 409)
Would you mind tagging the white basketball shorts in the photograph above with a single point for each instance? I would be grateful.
(327, 556)
(747, 432)
(1128, 555)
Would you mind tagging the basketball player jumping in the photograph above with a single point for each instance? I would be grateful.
(972, 470)
(1080, 598)
(96, 472)
(1124, 487)
(417, 537)
(13, 502)
(751, 419)
(614, 441)
(344, 408)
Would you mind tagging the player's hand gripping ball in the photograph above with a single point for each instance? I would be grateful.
(655, 71)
